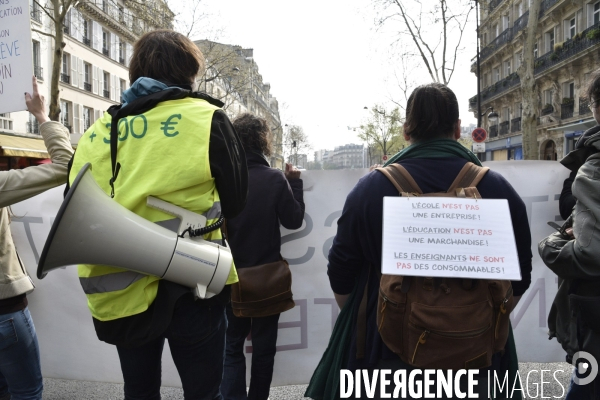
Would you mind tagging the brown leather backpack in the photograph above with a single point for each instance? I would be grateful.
(443, 323)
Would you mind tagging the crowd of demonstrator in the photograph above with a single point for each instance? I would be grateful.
(218, 168)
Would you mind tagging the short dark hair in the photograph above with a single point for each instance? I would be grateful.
(431, 112)
(593, 88)
(166, 56)
(254, 133)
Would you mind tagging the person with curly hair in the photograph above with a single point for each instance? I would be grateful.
(274, 198)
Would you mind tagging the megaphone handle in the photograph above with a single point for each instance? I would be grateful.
(200, 291)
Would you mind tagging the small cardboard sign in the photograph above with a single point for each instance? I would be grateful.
(16, 64)
(449, 237)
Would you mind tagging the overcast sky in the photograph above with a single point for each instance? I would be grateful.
(325, 60)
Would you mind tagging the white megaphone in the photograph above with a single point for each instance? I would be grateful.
(92, 228)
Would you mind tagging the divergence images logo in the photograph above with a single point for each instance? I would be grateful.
(586, 364)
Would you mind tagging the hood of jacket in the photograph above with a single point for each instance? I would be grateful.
(586, 145)
(144, 86)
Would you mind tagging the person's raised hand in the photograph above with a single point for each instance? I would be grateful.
(291, 172)
(36, 104)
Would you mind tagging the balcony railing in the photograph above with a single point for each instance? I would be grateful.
(121, 60)
(38, 72)
(547, 110)
(87, 86)
(504, 127)
(502, 85)
(65, 78)
(493, 131)
(566, 110)
(521, 23)
(495, 44)
(105, 51)
(33, 127)
(494, 3)
(581, 42)
(66, 29)
(36, 15)
(106, 93)
(546, 4)
(87, 41)
(515, 125)
(518, 26)
(583, 106)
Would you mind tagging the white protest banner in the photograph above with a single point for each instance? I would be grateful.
(70, 349)
(16, 65)
(448, 237)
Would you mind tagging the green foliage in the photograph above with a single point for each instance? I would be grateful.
(567, 100)
(383, 131)
(593, 34)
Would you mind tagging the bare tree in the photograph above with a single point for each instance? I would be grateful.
(434, 28)
(296, 141)
(383, 132)
(528, 86)
(148, 15)
(228, 73)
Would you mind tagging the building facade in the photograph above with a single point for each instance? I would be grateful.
(98, 43)
(342, 157)
(232, 76)
(566, 51)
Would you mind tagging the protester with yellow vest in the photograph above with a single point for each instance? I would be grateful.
(179, 146)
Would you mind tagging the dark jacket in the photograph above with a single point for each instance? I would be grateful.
(574, 318)
(574, 160)
(357, 244)
(272, 200)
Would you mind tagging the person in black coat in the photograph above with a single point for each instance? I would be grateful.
(274, 198)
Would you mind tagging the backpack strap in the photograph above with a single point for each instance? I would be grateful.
(401, 179)
(465, 183)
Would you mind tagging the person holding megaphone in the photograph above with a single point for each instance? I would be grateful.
(20, 371)
(170, 144)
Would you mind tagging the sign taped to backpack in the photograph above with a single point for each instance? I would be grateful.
(449, 237)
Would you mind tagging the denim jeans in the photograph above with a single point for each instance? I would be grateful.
(264, 342)
(20, 370)
(197, 341)
(580, 392)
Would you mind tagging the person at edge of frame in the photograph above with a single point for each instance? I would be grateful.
(433, 126)
(20, 370)
(178, 145)
(565, 322)
(274, 199)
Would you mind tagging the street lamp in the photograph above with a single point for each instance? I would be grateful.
(492, 116)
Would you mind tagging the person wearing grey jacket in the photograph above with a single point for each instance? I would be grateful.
(20, 371)
(573, 254)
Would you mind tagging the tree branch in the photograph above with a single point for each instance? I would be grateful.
(43, 33)
(45, 11)
(414, 37)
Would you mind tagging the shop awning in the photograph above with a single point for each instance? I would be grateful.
(576, 126)
(15, 146)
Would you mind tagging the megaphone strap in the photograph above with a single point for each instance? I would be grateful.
(203, 231)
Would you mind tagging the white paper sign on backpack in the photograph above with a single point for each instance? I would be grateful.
(449, 237)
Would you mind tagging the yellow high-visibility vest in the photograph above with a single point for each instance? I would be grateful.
(163, 153)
